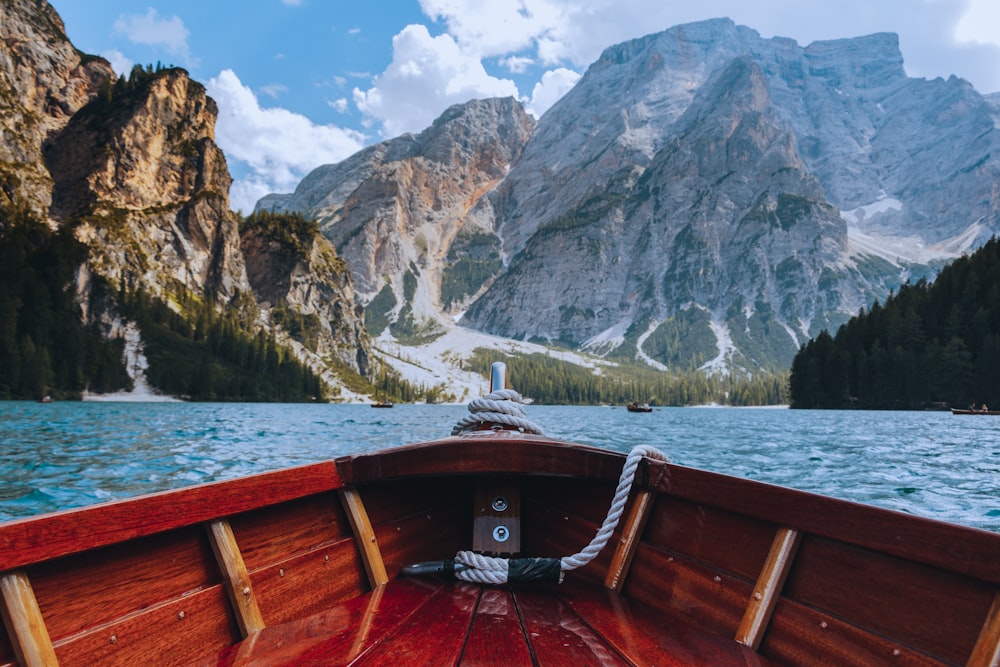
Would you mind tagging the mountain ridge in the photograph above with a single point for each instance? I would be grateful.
(750, 192)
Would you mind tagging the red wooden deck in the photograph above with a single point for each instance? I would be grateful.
(420, 621)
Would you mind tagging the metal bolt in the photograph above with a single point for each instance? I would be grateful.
(246, 590)
(180, 615)
(114, 639)
(757, 595)
(500, 533)
(281, 572)
(499, 504)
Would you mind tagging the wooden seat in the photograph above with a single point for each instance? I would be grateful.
(431, 622)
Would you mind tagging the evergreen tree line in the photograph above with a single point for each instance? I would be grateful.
(205, 355)
(930, 346)
(551, 381)
(45, 350)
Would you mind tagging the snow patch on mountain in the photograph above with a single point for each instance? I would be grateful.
(437, 364)
(720, 364)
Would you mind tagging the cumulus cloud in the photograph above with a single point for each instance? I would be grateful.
(151, 29)
(278, 146)
(120, 63)
(427, 74)
(554, 84)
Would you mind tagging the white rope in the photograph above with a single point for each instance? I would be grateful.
(490, 570)
(499, 407)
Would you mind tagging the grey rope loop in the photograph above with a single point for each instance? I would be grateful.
(482, 569)
(500, 407)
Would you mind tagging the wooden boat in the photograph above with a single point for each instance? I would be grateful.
(970, 411)
(382, 404)
(305, 566)
(638, 407)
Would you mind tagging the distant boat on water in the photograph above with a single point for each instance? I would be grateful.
(975, 411)
(638, 407)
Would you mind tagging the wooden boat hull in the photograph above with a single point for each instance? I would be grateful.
(959, 411)
(305, 563)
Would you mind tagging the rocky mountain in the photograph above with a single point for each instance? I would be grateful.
(411, 217)
(130, 165)
(703, 198)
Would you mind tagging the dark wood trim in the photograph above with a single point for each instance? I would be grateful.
(37, 539)
(635, 523)
(486, 452)
(960, 549)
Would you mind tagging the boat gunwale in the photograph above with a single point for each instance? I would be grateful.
(35, 539)
(957, 548)
(961, 549)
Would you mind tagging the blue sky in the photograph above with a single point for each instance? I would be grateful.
(302, 83)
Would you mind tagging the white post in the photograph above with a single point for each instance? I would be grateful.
(498, 376)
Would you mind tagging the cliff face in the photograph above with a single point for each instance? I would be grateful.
(43, 82)
(131, 166)
(143, 181)
(398, 211)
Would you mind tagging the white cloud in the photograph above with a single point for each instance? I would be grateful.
(554, 84)
(516, 64)
(498, 27)
(273, 90)
(338, 105)
(278, 146)
(427, 74)
(150, 29)
(120, 63)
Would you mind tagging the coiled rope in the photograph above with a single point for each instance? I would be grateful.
(482, 569)
(499, 407)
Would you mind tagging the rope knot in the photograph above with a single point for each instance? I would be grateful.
(499, 407)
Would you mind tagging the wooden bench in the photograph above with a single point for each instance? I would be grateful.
(433, 622)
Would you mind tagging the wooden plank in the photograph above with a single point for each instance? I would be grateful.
(496, 636)
(986, 652)
(646, 636)
(911, 605)
(25, 625)
(799, 636)
(558, 635)
(49, 536)
(179, 632)
(272, 534)
(337, 635)
(635, 522)
(768, 588)
(98, 587)
(365, 537)
(964, 550)
(705, 535)
(235, 577)
(309, 582)
(435, 634)
(709, 599)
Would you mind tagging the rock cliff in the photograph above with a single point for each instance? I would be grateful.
(131, 166)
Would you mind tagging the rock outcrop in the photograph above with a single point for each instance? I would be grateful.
(131, 166)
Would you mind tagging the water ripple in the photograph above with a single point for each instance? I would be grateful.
(59, 455)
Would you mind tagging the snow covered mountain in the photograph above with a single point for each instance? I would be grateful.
(702, 198)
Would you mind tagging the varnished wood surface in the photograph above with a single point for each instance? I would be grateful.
(865, 587)
(31, 540)
(958, 548)
(425, 621)
(24, 622)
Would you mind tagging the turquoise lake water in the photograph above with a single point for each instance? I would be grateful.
(933, 464)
